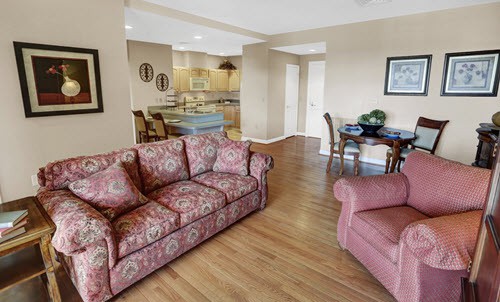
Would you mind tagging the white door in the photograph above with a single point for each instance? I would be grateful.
(315, 93)
(291, 99)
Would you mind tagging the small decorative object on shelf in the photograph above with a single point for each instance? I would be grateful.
(373, 121)
(146, 72)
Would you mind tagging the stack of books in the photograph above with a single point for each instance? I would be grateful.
(12, 224)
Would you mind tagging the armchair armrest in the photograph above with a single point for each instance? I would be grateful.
(372, 192)
(445, 242)
(78, 225)
(259, 165)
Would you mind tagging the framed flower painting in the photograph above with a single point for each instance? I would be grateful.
(58, 80)
(407, 75)
(471, 73)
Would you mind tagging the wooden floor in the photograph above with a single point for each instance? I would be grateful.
(287, 252)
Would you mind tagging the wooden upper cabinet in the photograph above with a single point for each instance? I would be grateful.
(222, 80)
(198, 72)
(203, 73)
(234, 80)
(212, 76)
(176, 79)
(183, 79)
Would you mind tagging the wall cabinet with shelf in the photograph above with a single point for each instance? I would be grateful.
(220, 80)
(181, 79)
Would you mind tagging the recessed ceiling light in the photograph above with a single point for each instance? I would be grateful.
(198, 37)
(128, 27)
(221, 53)
(182, 47)
(312, 50)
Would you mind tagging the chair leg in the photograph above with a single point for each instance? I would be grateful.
(356, 164)
(387, 162)
(399, 165)
(329, 161)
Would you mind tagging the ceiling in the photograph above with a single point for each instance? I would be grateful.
(304, 49)
(261, 17)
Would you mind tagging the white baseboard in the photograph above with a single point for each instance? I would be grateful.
(374, 161)
(263, 141)
(301, 133)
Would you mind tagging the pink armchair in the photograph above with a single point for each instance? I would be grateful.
(414, 231)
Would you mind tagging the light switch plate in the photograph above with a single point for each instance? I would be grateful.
(34, 180)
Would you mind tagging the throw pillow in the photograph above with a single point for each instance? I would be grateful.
(111, 191)
(233, 157)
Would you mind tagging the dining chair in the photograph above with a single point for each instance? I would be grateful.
(351, 148)
(428, 133)
(142, 127)
(160, 127)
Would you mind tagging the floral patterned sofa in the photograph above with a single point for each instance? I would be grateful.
(415, 231)
(183, 202)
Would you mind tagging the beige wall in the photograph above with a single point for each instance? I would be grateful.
(146, 94)
(254, 90)
(29, 143)
(276, 93)
(355, 69)
(304, 76)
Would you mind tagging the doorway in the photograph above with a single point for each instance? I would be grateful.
(315, 98)
(291, 99)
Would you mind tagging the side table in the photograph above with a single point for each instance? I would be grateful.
(25, 264)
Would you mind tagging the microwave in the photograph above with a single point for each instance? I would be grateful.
(199, 84)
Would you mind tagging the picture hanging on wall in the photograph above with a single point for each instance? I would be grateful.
(162, 82)
(471, 73)
(58, 80)
(407, 75)
(146, 72)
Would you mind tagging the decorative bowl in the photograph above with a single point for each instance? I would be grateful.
(370, 128)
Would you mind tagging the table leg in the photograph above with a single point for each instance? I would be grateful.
(395, 156)
(341, 154)
(48, 260)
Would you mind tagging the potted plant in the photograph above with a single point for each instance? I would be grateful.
(373, 121)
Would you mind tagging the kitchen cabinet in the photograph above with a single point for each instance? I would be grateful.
(181, 79)
(231, 113)
(234, 80)
(198, 72)
(237, 117)
(212, 76)
(222, 80)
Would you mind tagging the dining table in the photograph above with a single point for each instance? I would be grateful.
(380, 137)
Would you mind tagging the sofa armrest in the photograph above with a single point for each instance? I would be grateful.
(372, 192)
(78, 225)
(445, 242)
(259, 165)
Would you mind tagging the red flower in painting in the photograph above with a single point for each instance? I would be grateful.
(63, 67)
(52, 70)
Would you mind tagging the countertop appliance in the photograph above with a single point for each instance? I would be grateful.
(199, 84)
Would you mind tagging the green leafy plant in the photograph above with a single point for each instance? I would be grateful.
(375, 117)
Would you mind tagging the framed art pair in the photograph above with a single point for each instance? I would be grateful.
(464, 74)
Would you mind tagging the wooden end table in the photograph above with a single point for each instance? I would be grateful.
(26, 264)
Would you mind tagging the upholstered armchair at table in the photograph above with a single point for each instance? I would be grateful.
(415, 231)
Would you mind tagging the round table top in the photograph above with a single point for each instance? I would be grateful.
(405, 135)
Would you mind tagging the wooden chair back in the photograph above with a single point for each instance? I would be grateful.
(140, 121)
(329, 121)
(160, 127)
(428, 134)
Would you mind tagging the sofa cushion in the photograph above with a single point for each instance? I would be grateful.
(111, 191)
(190, 199)
(443, 187)
(162, 163)
(232, 185)
(382, 228)
(233, 157)
(59, 174)
(143, 226)
(201, 151)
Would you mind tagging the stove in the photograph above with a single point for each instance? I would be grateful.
(194, 101)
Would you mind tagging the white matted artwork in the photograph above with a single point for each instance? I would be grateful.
(407, 75)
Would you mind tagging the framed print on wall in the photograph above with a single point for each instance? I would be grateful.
(471, 73)
(407, 75)
(58, 80)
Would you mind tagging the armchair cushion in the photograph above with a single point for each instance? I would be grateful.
(382, 228)
(442, 187)
(162, 163)
(143, 226)
(201, 151)
(232, 185)
(191, 200)
(111, 191)
(233, 157)
(372, 192)
(445, 242)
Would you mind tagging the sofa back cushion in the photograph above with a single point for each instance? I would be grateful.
(201, 151)
(438, 186)
(111, 191)
(162, 163)
(59, 174)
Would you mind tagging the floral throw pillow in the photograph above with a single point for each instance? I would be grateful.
(233, 157)
(111, 191)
